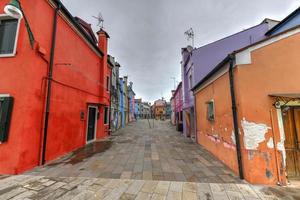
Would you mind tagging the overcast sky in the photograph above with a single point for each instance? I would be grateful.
(147, 35)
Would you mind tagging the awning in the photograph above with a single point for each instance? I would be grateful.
(286, 98)
(287, 95)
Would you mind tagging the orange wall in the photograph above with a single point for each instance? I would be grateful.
(216, 136)
(76, 83)
(274, 69)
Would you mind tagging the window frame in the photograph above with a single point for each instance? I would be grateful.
(208, 117)
(108, 83)
(5, 16)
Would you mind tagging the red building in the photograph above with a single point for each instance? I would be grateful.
(54, 95)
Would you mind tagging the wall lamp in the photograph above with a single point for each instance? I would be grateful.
(14, 10)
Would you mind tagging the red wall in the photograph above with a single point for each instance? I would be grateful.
(78, 79)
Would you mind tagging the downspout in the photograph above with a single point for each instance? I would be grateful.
(49, 85)
(235, 118)
(110, 84)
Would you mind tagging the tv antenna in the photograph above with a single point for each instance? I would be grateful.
(190, 35)
(100, 20)
(174, 79)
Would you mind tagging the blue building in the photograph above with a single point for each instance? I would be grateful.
(121, 120)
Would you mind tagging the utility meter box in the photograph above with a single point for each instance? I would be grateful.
(6, 106)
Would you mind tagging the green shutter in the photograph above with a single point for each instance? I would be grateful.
(6, 105)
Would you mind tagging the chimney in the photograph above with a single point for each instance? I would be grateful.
(103, 40)
(102, 44)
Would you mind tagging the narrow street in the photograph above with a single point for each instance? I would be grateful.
(141, 152)
(137, 162)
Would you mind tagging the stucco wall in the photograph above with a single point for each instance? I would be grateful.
(76, 82)
(273, 70)
(217, 136)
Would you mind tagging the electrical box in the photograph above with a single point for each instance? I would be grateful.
(6, 106)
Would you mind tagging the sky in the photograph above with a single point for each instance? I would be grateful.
(146, 36)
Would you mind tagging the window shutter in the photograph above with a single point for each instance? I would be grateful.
(6, 105)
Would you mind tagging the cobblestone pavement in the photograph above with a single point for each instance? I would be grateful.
(140, 152)
(138, 163)
(80, 188)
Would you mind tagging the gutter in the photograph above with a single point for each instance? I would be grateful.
(49, 85)
(235, 117)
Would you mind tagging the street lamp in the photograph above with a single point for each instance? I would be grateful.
(14, 10)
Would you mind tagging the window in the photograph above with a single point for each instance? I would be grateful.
(190, 81)
(106, 115)
(107, 83)
(8, 35)
(211, 111)
(6, 104)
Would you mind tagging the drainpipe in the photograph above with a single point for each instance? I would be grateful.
(235, 119)
(110, 95)
(49, 85)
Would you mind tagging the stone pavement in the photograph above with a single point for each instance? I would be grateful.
(79, 188)
(141, 152)
(138, 162)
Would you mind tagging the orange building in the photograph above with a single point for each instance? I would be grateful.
(160, 109)
(248, 108)
(54, 95)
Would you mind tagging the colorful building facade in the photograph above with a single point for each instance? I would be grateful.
(178, 104)
(59, 101)
(247, 107)
(131, 96)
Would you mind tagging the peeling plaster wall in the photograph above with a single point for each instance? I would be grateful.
(254, 134)
(280, 144)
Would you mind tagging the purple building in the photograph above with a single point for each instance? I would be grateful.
(197, 63)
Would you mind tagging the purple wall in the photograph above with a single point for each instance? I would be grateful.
(204, 59)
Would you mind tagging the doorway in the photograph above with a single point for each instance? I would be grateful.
(91, 124)
(291, 122)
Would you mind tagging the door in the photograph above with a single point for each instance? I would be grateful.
(291, 121)
(91, 124)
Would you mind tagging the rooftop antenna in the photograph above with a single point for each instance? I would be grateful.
(190, 35)
(173, 78)
(100, 20)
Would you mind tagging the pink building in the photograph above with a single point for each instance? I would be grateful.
(178, 107)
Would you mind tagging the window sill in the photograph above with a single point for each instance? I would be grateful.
(7, 55)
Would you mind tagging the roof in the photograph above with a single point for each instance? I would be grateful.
(70, 17)
(178, 87)
(284, 21)
(207, 57)
(87, 27)
(229, 56)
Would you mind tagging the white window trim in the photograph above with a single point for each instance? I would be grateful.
(87, 125)
(5, 16)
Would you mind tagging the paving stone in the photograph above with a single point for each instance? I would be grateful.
(143, 196)
(162, 187)
(135, 187)
(174, 195)
(189, 195)
(137, 152)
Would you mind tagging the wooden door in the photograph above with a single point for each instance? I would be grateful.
(291, 120)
